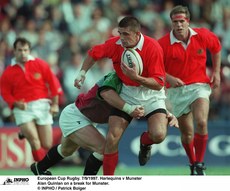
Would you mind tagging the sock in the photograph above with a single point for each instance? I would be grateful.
(200, 143)
(189, 149)
(38, 154)
(145, 140)
(109, 163)
(92, 165)
(51, 158)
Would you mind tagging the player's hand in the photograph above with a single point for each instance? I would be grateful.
(175, 82)
(172, 120)
(54, 109)
(20, 105)
(215, 80)
(135, 111)
(138, 112)
(130, 72)
(78, 82)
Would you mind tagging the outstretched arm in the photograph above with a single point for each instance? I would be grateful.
(87, 64)
(111, 97)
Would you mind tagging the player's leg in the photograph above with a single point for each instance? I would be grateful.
(54, 155)
(29, 130)
(44, 121)
(187, 138)
(117, 125)
(45, 135)
(157, 130)
(200, 109)
(90, 138)
(25, 121)
(93, 164)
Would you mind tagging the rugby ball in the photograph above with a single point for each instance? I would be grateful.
(130, 57)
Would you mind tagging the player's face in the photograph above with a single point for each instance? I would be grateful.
(21, 52)
(180, 26)
(129, 38)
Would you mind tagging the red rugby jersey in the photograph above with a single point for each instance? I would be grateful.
(151, 54)
(190, 64)
(37, 81)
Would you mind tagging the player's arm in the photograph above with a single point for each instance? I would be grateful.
(172, 120)
(173, 81)
(109, 90)
(54, 107)
(132, 74)
(111, 97)
(216, 61)
(87, 64)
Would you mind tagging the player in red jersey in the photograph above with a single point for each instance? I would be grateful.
(26, 86)
(78, 124)
(189, 87)
(145, 90)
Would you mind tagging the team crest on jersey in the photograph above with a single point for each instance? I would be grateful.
(37, 76)
(200, 51)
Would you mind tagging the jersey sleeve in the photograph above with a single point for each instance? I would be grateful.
(105, 50)
(110, 81)
(156, 64)
(50, 79)
(5, 89)
(211, 40)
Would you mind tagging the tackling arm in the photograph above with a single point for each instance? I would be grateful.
(111, 97)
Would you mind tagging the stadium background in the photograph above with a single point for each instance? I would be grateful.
(65, 29)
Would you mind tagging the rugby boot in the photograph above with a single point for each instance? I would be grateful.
(192, 169)
(200, 168)
(36, 171)
(144, 154)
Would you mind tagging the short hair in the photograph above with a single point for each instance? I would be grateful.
(180, 9)
(130, 21)
(23, 41)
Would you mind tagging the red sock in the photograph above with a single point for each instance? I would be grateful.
(145, 140)
(200, 143)
(109, 163)
(38, 154)
(189, 149)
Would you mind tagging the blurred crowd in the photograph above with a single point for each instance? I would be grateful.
(61, 32)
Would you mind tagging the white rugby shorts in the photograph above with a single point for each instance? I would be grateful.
(38, 110)
(182, 97)
(150, 99)
(71, 119)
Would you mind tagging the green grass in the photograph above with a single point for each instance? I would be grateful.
(76, 170)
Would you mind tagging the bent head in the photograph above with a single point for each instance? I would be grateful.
(21, 50)
(129, 29)
(180, 18)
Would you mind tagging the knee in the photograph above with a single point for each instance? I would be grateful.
(47, 145)
(112, 142)
(187, 138)
(202, 124)
(99, 149)
(157, 136)
(34, 143)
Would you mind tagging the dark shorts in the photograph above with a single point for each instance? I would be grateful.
(128, 118)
